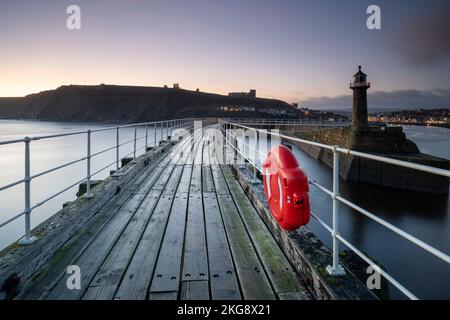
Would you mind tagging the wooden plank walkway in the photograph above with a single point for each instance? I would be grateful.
(184, 229)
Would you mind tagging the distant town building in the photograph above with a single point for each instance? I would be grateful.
(250, 94)
(237, 108)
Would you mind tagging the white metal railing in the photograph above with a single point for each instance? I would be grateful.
(227, 129)
(163, 129)
(288, 122)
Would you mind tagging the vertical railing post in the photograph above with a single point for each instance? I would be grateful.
(242, 155)
(27, 239)
(227, 128)
(236, 153)
(161, 124)
(116, 174)
(88, 193)
(225, 147)
(146, 137)
(154, 127)
(255, 180)
(134, 145)
(336, 269)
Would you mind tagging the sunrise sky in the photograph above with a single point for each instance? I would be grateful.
(298, 51)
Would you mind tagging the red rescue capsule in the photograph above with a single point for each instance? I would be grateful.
(286, 188)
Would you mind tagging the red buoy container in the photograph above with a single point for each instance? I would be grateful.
(286, 188)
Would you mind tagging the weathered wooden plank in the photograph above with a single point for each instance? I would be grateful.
(196, 179)
(206, 147)
(166, 277)
(185, 181)
(189, 149)
(219, 182)
(137, 277)
(212, 152)
(167, 273)
(163, 295)
(301, 295)
(215, 152)
(254, 282)
(222, 275)
(194, 290)
(210, 142)
(157, 181)
(150, 180)
(161, 183)
(96, 252)
(208, 182)
(199, 152)
(189, 152)
(280, 272)
(195, 262)
(107, 279)
(174, 180)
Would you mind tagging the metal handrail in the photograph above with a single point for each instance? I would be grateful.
(336, 269)
(288, 122)
(160, 127)
(248, 159)
(346, 151)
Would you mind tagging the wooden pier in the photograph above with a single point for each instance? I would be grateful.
(182, 229)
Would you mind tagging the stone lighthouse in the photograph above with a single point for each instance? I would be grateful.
(359, 85)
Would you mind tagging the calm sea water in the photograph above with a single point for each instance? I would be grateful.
(424, 216)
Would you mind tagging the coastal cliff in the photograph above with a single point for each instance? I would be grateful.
(131, 104)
